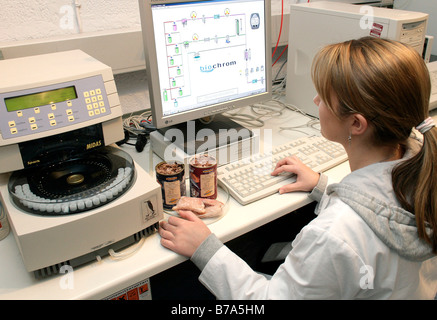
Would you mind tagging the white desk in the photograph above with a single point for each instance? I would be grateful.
(98, 280)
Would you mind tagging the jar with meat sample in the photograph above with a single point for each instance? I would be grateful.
(203, 176)
(171, 177)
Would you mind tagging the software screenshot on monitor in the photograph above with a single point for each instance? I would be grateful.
(204, 58)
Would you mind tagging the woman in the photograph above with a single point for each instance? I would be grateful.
(375, 234)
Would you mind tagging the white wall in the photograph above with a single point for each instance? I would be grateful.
(40, 26)
(41, 19)
(109, 30)
(44, 19)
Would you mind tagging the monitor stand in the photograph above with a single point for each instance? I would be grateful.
(224, 138)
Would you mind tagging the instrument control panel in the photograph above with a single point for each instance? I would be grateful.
(48, 107)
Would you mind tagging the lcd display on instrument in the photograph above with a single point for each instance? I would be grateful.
(40, 98)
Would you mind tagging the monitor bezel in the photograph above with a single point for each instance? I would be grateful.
(161, 121)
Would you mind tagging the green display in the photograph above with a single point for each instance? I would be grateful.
(40, 99)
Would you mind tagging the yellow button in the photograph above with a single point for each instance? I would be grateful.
(95, 105)
(34, 126)
(99, 97)
(69, 103)
(92, 92)
(31, 120)
(51, 116)
(98, 91)
(88, 100)
(93, 99)
(53, 106)
(11, 124)
(19, 113)
(70, 118)
(89, 106)
(53, 123)
(14, 130)
(90, 113)
(36, 110)
(97, 111)
(69, 112)
(101, 103)
(103, 110)
(86, 94)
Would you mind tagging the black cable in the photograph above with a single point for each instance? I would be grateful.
(126, 138)
(141, 142)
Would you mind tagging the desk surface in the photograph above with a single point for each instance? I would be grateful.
(100, 279)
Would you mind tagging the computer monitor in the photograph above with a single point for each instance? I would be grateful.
(205, 57)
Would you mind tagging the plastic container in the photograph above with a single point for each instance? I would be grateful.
(172, 182)
(203, 176)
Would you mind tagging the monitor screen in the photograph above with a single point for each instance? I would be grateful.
(205, 57)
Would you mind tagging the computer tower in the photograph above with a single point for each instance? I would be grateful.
(314, 25)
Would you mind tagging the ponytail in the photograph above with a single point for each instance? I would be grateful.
(415, 185)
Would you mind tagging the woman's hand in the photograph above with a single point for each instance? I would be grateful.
(306, 178)
(183, 235)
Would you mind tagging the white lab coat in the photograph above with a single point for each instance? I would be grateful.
(362, 245)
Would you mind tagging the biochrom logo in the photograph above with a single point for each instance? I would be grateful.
(212, 67)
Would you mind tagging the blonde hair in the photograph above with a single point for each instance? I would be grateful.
(388, 83)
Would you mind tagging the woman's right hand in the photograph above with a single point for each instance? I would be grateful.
(306, 178)
(185, 234)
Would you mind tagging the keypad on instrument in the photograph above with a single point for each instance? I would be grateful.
(91, 103)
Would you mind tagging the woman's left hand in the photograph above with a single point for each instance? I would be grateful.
(306, 178)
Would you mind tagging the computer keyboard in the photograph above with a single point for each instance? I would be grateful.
(249, 179)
